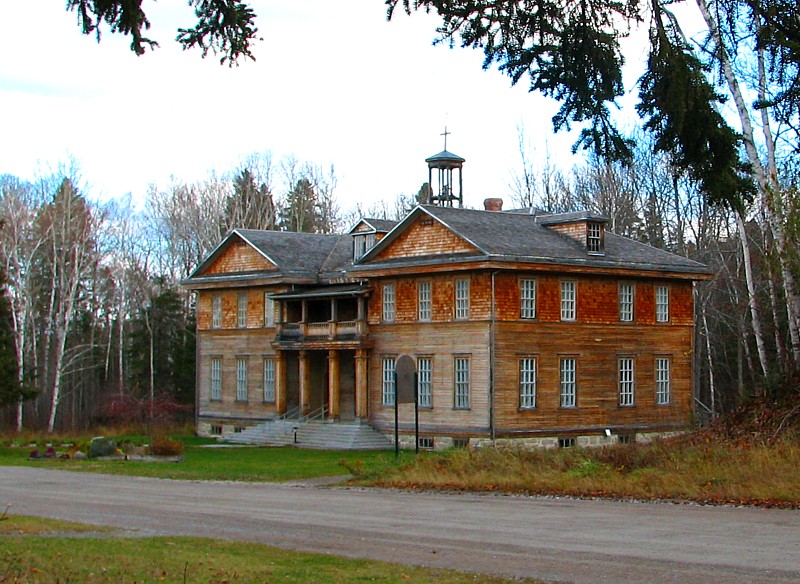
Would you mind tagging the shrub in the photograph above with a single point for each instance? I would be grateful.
(165, 446)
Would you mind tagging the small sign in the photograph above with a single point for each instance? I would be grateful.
(406, 370)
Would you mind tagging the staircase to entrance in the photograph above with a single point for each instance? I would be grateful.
(314, 434)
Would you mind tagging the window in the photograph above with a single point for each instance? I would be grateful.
(425, 443)
(527, 298)
(461, 398)
(216, 311)
(626, 384)
(593, 237)
(662, 381)
(370, 242)
(269, 310)
(359, 246)
(424, 300)
(216, 379)
(460, 442)
(269, 380)
(626, 438)
(241, 380)
(238, 429)
(662, 304)
(462, 299)
(241, 310)
(566, 442)
(388, 302)
(424, 381)
(568, 385)
(567, 300)
(388, 393)
(215, 430)
(527, 382)
(626, 302)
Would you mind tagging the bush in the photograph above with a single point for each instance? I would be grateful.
(165, 446)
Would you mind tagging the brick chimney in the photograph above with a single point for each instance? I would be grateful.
(493, 204)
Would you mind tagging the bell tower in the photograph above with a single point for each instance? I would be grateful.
(443, 189)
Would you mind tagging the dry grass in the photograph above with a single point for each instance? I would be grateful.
(766, 475)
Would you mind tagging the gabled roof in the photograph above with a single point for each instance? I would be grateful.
(376, 225)
(302, 255)
(520, 237)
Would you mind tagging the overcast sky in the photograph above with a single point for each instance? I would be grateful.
(333, 83)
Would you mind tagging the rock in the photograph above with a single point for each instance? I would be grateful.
(101, 446)
(79, 456)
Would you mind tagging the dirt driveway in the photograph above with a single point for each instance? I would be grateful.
(552, 539)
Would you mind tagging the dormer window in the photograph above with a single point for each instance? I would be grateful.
(594, 237)
(362, 244)
(359, 246)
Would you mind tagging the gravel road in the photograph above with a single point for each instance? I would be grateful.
(552, 539)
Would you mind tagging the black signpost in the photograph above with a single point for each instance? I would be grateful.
(405, 386)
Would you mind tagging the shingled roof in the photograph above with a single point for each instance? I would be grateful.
(520, 237)
(296, 255)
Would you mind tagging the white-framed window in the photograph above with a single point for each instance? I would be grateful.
(241, 310)
(462, 299)
(241, 379)
(359, 246)
(527, 382)
(626, 302)
(662, 380)
(626, 381)
(569, 387)
(269, 380)
(388, 391)
(424, 370)
(461, 385)
(424, 300)
(370, 242)
(593, 237)
(527, 298)
(568, 300)
(216, 311)
(388, 302)
(216, 379)
(662, 304)
(269, 310)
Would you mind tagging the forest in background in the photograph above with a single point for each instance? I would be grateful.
(104, 333)
(98, 327)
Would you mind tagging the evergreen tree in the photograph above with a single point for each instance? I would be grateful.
(225, 27)
(301, 210)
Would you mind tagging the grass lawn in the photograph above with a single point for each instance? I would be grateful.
(765, 475)
(234, 464)
(33, 559)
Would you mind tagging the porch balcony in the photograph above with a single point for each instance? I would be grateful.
(331, 330)
(322, 317)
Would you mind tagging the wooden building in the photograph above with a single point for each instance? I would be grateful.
(545, 329)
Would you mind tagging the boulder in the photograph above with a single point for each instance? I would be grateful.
(101, 446)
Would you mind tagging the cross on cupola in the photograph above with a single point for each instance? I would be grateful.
(442, 189)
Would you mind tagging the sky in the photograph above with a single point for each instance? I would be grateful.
(333, 83)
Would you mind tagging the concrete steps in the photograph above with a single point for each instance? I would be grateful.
(320, 435)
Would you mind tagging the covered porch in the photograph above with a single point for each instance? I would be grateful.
(321, 347)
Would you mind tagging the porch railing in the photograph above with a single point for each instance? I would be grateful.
(330, 330)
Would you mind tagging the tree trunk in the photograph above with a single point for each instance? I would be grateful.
(752, 300)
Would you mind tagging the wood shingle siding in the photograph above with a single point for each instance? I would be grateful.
(427, 237)
(240, 257)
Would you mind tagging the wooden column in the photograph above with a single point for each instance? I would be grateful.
(362, 409)
(333, 384)
(305, 382)
(280, 382)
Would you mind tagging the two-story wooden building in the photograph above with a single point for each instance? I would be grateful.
(541, 328)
